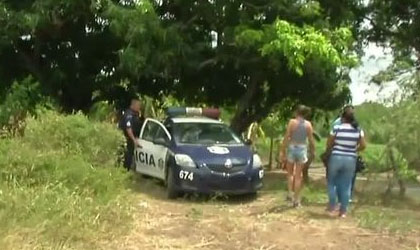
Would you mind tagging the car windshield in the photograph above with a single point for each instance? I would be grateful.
(204, 133)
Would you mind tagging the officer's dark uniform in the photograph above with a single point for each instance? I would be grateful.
(131, 120)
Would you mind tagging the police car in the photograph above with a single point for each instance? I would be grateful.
(192, 151)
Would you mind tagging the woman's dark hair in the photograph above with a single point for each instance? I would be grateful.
(350, 118)
(346, 108)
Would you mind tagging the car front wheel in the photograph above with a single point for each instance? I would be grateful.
(171, 190)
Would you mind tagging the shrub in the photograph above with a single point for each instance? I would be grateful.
(103, 111)
(24, 97)
(59, 183)
(76, 134)
(375, 158)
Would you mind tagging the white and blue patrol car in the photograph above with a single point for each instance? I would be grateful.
(192, 151)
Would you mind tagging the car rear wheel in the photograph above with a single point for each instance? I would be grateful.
(171, 190)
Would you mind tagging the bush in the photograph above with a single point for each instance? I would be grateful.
(405, 131)
(24, 97)
(59, 183)
(76, 134)
(103, 111)
(375, 158)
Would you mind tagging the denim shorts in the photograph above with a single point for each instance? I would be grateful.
(297, 154)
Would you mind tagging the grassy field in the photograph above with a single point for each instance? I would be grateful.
(59, 185)
(60, 189)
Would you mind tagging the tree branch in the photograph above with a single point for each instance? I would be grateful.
(212, 61)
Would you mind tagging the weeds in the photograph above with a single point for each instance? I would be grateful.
(388, 219)
(60, 185)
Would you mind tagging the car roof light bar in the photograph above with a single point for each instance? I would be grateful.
(213, 113)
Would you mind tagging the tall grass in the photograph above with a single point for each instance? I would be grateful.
(59, 184)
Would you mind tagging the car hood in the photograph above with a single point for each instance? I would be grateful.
(218, 155)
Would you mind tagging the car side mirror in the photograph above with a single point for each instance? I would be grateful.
(161, 141)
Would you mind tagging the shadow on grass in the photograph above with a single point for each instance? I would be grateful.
(280, 209)
(274, 183)
(155, 189)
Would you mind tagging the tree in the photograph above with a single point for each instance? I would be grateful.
(77, 50)
(256, 55)
(224, 52)
(396, 24)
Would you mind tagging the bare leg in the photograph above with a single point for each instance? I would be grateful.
(290, 179)
(298, 181)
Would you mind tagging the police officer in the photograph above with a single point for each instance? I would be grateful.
(131, 123)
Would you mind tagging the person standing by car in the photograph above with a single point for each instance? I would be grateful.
(131, 123)
(294, 151)
(346, 139)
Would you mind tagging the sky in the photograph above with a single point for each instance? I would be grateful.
(375, 59)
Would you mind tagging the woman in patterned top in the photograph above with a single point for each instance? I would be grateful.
(346, 139)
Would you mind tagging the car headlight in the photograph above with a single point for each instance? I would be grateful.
(256, 162)
(184, 161)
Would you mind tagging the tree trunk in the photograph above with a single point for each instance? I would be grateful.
(242, 118)
(401, 183)
(241, 122)
(403, 189)
(253, 106)
(270, 160)
(390, 185)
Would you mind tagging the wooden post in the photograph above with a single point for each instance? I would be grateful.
(270, 160)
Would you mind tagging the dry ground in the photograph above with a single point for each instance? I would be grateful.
(266, 222)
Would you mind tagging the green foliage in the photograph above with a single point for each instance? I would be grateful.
(156, 108)
(311, 9)
(275, 124)
(397, 128)
(102, 111)
(405, 130)
(403, 15)
(23, 98)
(75, 49)
(376, 158)
(388, 219)
(374, 119)
(314, 194)
(59, 183)
(149, 49)
(77, 135)
(199, 51)
(299, 44)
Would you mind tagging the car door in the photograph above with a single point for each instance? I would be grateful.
(151, 157)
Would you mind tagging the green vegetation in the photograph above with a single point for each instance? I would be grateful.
(251, 56)
(388, 219)
(59, 184)
(390, 213)
(68, 67)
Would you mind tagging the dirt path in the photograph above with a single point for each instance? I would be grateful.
(263, 223)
